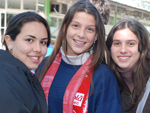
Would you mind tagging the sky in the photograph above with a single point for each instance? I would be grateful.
(136, 3)
(128, 2)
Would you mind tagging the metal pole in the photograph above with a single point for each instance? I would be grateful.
(116, 15)
(47, 9)
(115, 18)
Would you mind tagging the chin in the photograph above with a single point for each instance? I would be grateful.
(34, 67)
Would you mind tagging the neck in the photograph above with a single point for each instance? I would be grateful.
(128, 80)
(127, 76)
(75, 60)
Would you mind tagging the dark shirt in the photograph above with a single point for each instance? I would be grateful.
(20, 90)
(106, 97)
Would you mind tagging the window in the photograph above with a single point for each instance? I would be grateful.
(55, 7)
(64, 8)
(29, 4)
(2, 3)
(111, 20)
(9, 16)
(13, 4)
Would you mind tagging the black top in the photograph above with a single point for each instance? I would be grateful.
(20, 90)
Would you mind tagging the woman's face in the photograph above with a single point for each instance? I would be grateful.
(81, 33)
(30, 45)
(124, 49)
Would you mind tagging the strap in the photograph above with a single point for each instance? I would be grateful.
(143, 100)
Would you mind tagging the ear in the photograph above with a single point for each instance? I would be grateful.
(9, 42)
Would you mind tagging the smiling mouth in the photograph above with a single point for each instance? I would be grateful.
(35, 58)
(79, 42)
(123, 58)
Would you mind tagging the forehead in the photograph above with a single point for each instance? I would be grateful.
(32, 24)
(35, 29)
(84, 17)
(124, 34)
(32, 27)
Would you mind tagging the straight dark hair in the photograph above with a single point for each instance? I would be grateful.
(15, 25)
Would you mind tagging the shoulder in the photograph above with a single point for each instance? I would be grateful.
(104, 83)
(14, 80)
(104, 75)
(103, 70)
(13, 83)
(12, 70)
(11, 74)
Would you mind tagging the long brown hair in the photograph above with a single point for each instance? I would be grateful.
(141, 71)
(99, 49)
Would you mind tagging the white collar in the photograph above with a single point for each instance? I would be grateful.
(75, 60)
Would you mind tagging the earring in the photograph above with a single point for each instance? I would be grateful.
(92, 45)
(9, 48)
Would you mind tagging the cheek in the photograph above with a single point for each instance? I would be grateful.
(68, 36)
(44, 50)
(20, 49)
(137, 55)
(25, 50)
(135, 51)
(113, 56)
(113, 52)
(91, 37)
(69, 32)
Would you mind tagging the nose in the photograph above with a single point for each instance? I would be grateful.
(37, 47)
(123, 49)
(81, 33)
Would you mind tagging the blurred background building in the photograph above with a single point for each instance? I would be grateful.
(54, 11)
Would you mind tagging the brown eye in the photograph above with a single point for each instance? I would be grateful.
(116, 43)
(90, 29)
(131, 43)
(44, 42)
(30, 40)
(75, 26)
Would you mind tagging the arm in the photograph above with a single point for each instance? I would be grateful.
(12, 91)
(106, 98)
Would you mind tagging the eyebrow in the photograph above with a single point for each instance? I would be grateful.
(126, 40)
(30, 36)
(35, 37)
(79, 23)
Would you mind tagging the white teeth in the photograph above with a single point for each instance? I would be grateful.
(35, 58)
(79, 42)
(123, 58)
